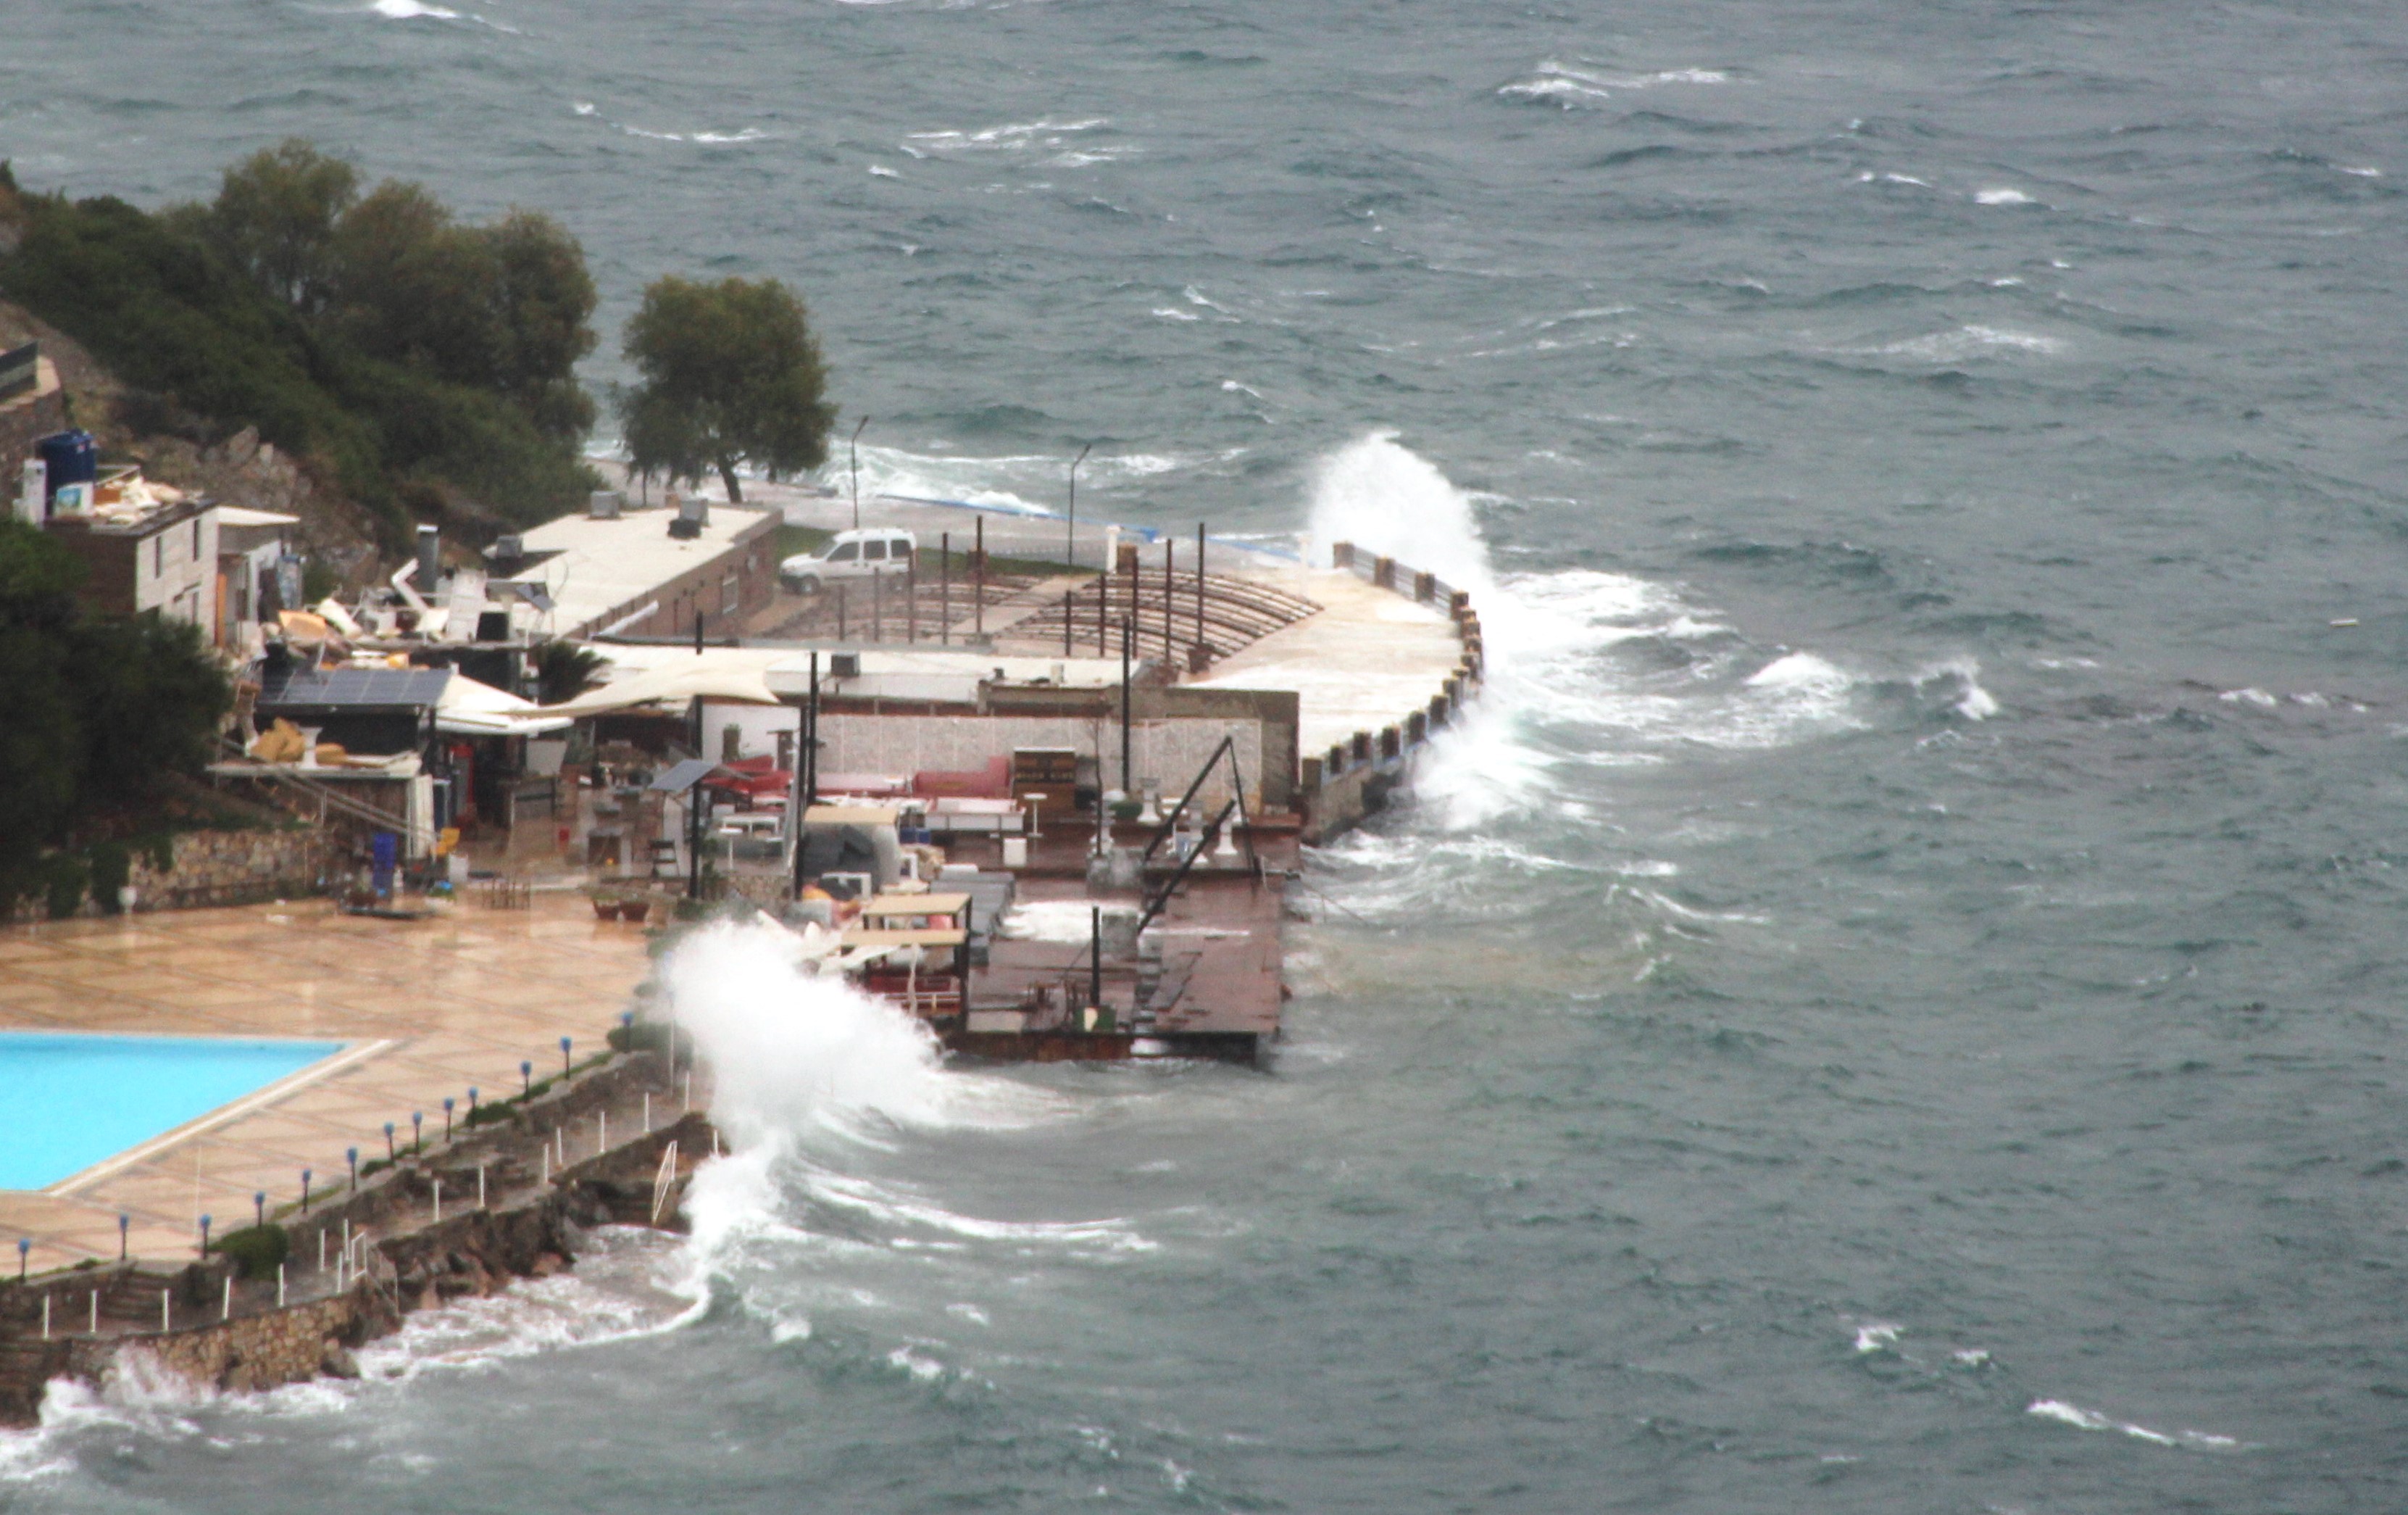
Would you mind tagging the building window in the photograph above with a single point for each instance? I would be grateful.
(159, 554)
(728, 598)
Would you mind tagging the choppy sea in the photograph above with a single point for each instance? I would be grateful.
(1894, 1005)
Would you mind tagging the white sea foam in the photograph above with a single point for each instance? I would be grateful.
(1560, 84)
(1878, 1337)
(2002, 197)
(1969, 341)
(411, 10)
(793, 1054)
(879, 170)
(1964, 676)
(2090, 1419)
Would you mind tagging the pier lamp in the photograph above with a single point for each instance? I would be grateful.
(472, 1102)
(259, 1209)
(447, 1117)
(563, 1056)
(205, 1236)
(25, 1249)
(124, 1221)
(526, 1079)
(352, 1155)
(417, 1131)
(389, 1153)
(305, 1189)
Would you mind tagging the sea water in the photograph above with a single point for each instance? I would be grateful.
(1891, 1005)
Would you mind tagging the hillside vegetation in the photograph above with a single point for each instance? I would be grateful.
(422, 366)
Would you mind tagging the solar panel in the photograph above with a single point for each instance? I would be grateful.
(378, 688)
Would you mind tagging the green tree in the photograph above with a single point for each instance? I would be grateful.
(275, 217)
(731, 374)
(99, 708)
(543, 298)
(414, 289)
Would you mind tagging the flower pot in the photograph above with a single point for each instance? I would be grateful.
(635, 910)
(604, 909)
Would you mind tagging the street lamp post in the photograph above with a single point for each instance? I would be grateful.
(1071, 541)
(853, 448)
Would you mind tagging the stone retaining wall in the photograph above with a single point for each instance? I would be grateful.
(221, 867)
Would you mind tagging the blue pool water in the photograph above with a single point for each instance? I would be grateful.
(73, 1100)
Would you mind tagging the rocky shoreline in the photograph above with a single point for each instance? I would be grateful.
(412, 1236)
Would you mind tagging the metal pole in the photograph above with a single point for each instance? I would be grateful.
(1071, 541)
(1170, 591)
(839, 613)
(980, 569)
(1128, 636)
(877, 606)
(1095, 957)
(801, 801)
(697, 630)
(945, 589)
(855, 447)
(911, 598)
(812, 768)
(1199, 584)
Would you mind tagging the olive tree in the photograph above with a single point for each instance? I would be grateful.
(730, 374)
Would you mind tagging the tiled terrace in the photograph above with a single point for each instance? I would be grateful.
(430, 1008)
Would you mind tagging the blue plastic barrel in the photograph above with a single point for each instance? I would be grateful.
(72, 457)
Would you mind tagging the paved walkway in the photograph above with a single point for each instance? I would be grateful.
(430, 1008)
(1369, 659)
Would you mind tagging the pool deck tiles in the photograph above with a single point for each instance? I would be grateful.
(462, 1000)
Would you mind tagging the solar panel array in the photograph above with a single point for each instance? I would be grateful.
(358, 688)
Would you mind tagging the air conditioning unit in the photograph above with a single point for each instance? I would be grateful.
(844, 665)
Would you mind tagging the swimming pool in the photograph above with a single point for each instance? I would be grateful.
(72, 1100)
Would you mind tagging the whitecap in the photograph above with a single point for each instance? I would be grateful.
(1907, 179)
(1878, 1337)
(1970, 342)
(411, 10)
(1169, 314)
(583, 108)
(879, 170)
(2001, 197)
(2252, 695)
(2362, 172)
(2090, 1419)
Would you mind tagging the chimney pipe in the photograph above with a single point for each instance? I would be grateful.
(430, 558)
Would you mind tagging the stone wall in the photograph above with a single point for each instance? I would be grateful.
(218, 868)
(221, 867)
(255, 1351)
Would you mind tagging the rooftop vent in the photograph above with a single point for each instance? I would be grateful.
(604, 504)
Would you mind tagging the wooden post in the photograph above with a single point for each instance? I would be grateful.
(1199, 584)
